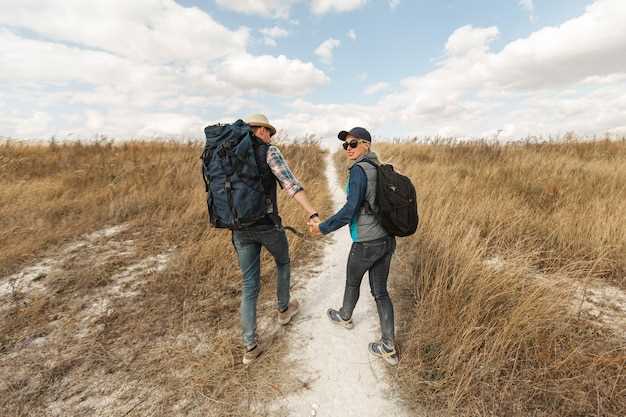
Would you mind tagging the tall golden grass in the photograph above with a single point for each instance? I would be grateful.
(485, 340)
(175, 348)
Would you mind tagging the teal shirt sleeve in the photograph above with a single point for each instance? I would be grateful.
(357, 186)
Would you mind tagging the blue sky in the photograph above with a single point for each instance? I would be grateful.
(401, 68)
(392, 43)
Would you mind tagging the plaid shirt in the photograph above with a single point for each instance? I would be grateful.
(282, 172)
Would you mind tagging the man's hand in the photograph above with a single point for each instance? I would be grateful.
(314, 224)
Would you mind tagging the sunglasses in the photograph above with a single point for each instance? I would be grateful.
(353, 144)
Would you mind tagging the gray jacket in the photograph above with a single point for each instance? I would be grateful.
(365, 225)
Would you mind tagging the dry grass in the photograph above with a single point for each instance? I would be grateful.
(483, 327)
(145, 321)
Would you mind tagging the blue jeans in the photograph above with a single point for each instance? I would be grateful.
(248, 245)
(373, 257)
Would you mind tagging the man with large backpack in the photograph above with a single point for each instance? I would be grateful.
(380, 205)
(242, 168)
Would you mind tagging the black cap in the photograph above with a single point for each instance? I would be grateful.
(357, 132)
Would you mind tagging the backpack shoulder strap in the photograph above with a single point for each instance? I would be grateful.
(364, 162)
(366, 204)
(368, 161)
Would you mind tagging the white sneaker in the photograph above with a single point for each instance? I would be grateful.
(388, 354)
(335, 318)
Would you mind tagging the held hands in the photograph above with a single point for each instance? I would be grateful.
(314, 225)
(314, 228)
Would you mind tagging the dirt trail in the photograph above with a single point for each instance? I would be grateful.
(338, 375)
(28, 280)
(66, 341)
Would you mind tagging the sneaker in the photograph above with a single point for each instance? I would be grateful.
(250, 355)
(285, 317)
(388, 354)
(336, 318)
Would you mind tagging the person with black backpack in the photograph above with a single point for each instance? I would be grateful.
(241, 169)
(380, 205)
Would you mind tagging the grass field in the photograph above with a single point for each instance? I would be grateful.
(489, 289)
(122, 299)
(118, 298)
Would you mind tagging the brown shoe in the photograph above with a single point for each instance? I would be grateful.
(286, 316)
(251, 355)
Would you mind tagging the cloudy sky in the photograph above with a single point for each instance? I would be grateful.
(401, 68)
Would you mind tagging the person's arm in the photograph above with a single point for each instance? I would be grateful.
(287, 179)
(301, 198)
(357, 186)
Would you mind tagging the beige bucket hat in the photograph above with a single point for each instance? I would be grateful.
(260, 120)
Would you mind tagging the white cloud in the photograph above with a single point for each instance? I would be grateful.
(83, 66)
(395, 3)
(65, 69)
(591, 44)
(122, 81)
(29, 125)
(605, 80)
(115, 123)
(619, 131)
(352, 34)
(147, 30)
(278, 75)
(326, 120)
(326, 49)
(271, 34)
(282, 8)
(327, 6)
(376, 88)
(468, 40)
(549, 58)
(267, 8)
(20, 61)
(274, 32)
(571, 77)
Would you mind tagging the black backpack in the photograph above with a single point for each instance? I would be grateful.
(396, 200)
(235, 194)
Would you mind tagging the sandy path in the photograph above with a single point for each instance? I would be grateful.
(341, 378)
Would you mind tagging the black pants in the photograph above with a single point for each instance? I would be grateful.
(373, 257)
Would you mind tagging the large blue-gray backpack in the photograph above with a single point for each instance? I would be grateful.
(232, 178)
(396, 200)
